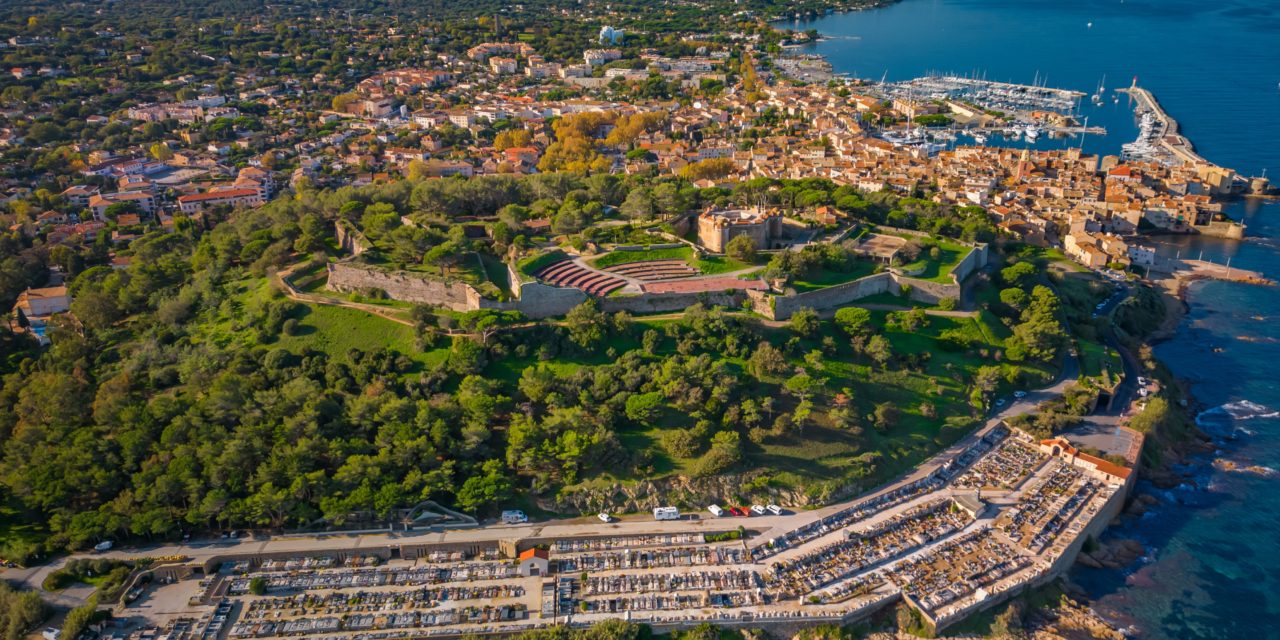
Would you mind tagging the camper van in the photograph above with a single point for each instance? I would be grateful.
(716, 510)
(666, 513)
(514, 516)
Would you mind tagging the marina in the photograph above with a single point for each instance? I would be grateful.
(988, 94)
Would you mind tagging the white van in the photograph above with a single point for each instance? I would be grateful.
(716, 510)
(514, 516)
(666, 513)
(774, 509)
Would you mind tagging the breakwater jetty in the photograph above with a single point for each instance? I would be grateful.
(1167, 135)
(1168, 138)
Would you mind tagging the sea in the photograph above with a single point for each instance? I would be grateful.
(1212, 568)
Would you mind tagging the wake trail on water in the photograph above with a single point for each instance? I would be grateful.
(1223, 419)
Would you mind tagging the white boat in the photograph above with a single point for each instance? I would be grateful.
(980, 138)
(1032, 133)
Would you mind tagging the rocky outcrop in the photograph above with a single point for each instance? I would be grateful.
(685, 492)
(1115, 554)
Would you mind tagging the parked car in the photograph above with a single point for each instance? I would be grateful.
(774, 509)
(716, 511)
(1019, 394)
(103, 546)
(514, 516)
(604, 517)
(757, 509)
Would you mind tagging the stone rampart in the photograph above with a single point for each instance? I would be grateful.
(403, 285)
(834, 296)
(665, 302)
(538, 300)
(976, 259)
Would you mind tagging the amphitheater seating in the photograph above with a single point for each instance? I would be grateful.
(655, 270)
(568, 274)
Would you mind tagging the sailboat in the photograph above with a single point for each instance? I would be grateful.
(1097, 96)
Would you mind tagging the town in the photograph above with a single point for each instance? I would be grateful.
(763, 127)
(795, 348)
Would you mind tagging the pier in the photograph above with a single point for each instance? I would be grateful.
(1167, 136)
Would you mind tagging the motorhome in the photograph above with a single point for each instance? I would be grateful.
(666, 513)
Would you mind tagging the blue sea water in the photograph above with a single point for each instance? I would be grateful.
(1213, 565)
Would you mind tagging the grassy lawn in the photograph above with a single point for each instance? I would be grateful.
(1095, 358)
(826, 278)
(938, 270)
(533, 264)
(615, 258)
(496, 271)
(711, 265)
(331, 329)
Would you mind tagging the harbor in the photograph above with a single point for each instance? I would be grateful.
(1158, 130)
(1160, 139)
(989, 94)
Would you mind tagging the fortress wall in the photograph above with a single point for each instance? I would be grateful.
(834, 296)
(927, 291)
(976, 259)
(538, 300)
(401, 285)
(664, 302)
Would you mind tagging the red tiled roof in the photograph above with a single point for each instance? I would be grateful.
(534, 553)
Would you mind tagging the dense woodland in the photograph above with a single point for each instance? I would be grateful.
(171, 406)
